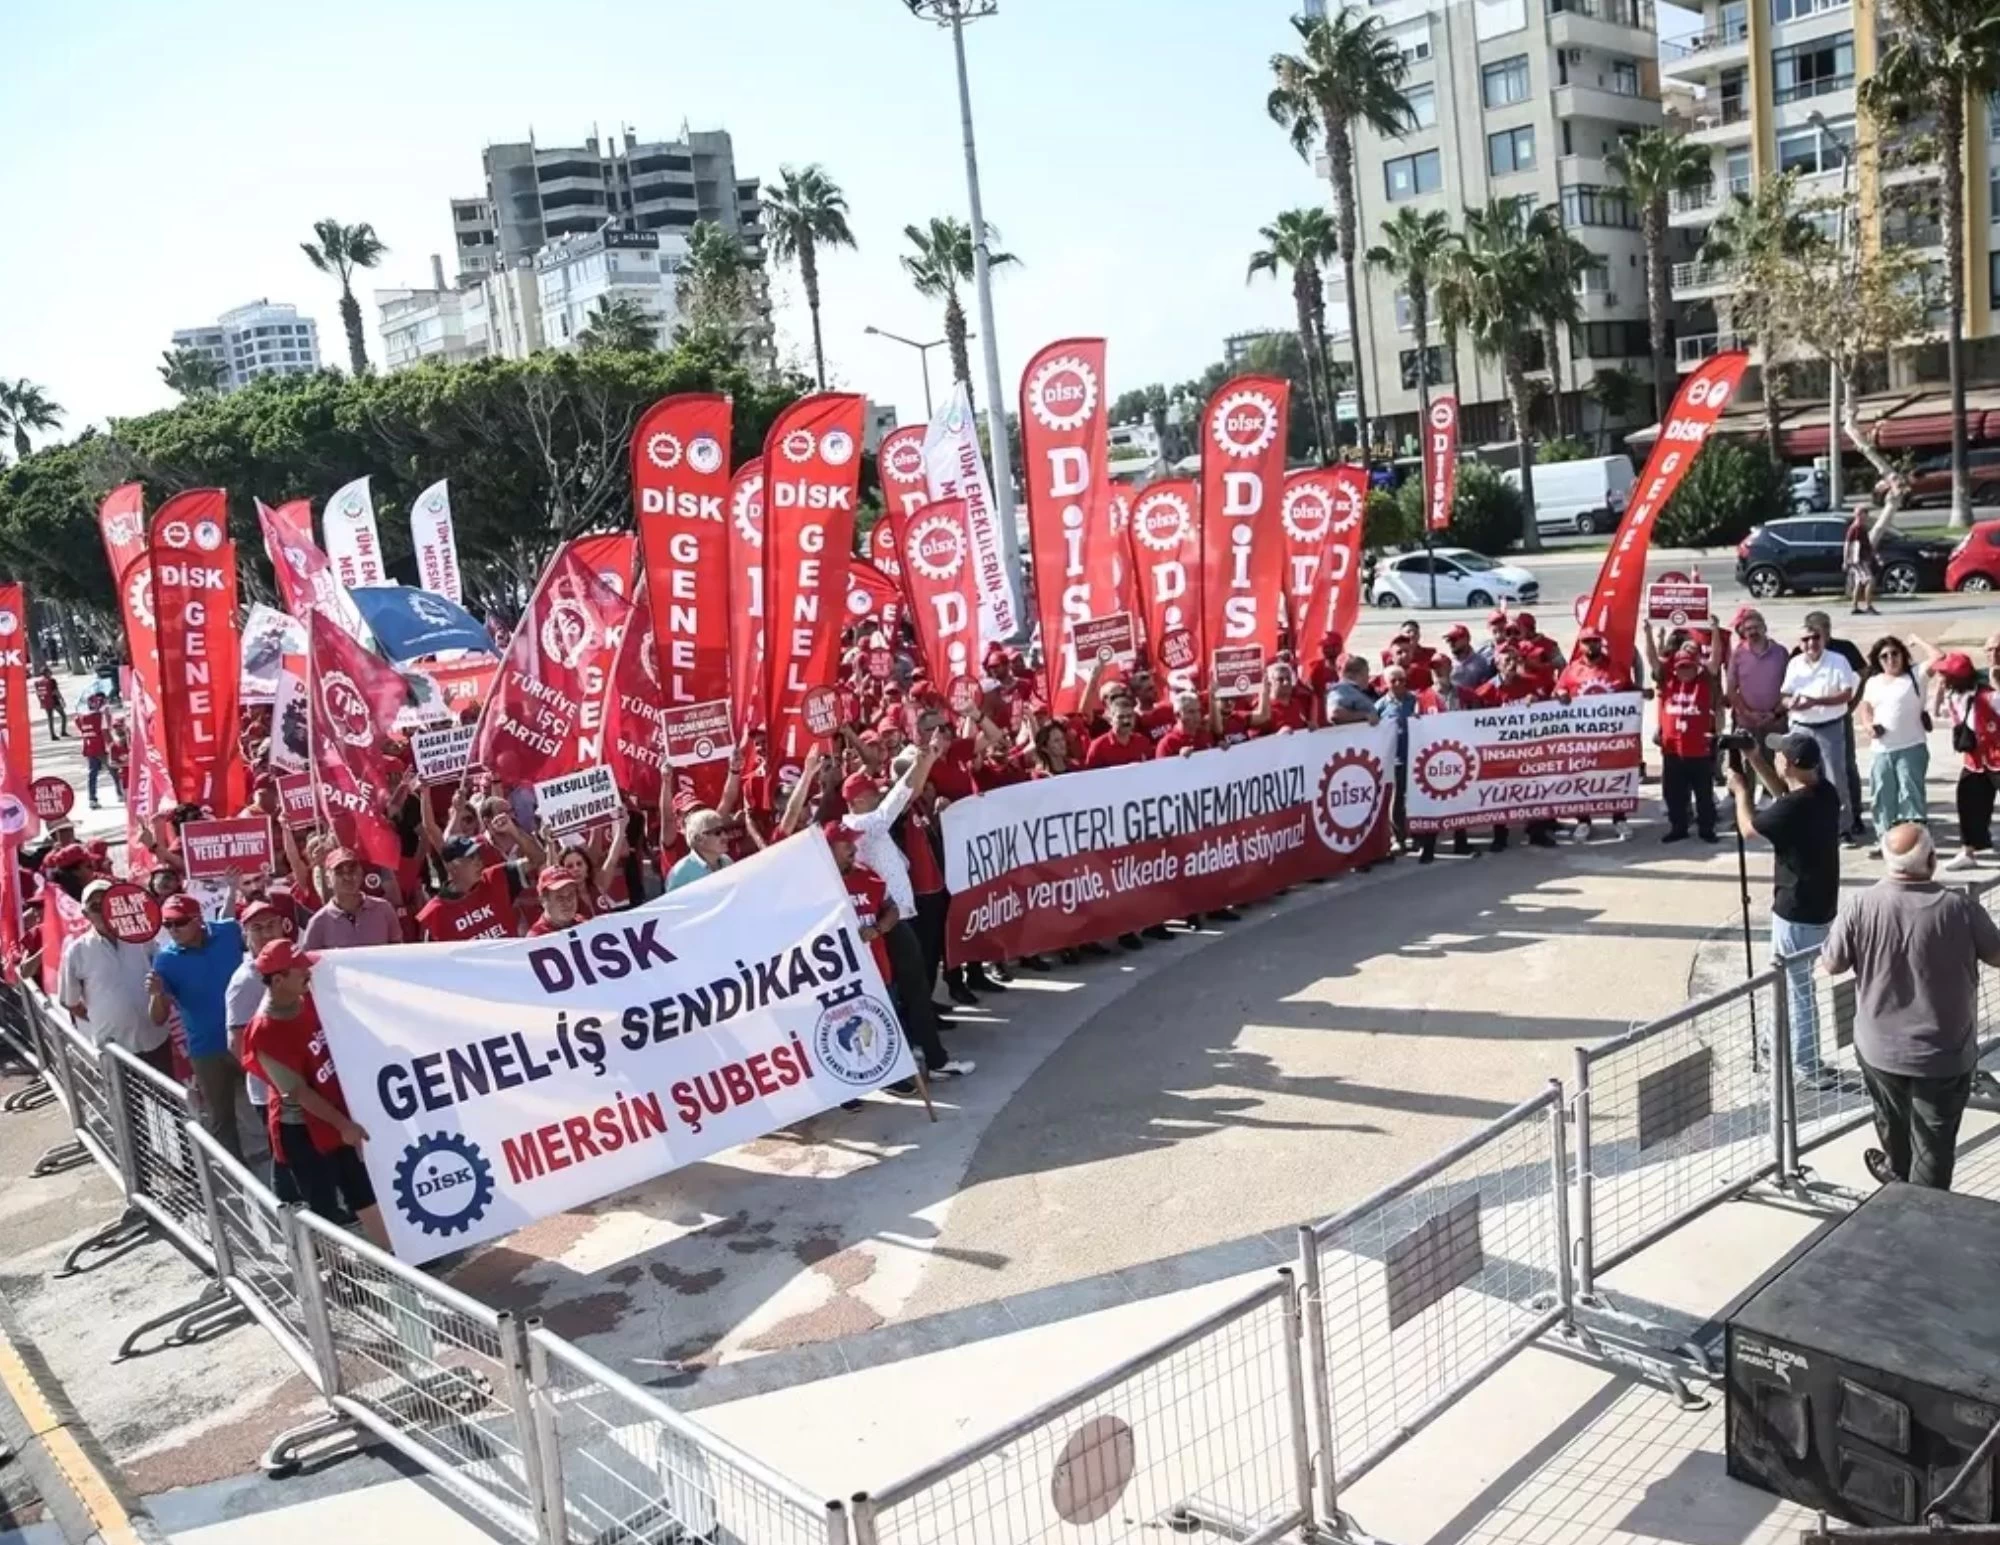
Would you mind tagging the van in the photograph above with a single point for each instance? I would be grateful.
(1582, 496)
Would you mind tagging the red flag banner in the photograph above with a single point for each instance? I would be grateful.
(942, 578)
(638, 736)
(1335, 602)
(812, 474)
(149, 782)
(1242, 486)
(121, 519)
(906, 483)
(305, 575)
(354, 700)
(546, 715)
(1166, 546)
(884, 537)
(1064, 452)
(1440, 463)
(1124, 572)
(1614, 600)
(16, 712)
(871, 593)
(613, 556)
(680, 482)
(194, 602)
(746, 596)
(1306, 513)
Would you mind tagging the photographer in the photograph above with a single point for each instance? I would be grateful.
(1802, 824)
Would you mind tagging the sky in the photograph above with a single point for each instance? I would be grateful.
(164, 161)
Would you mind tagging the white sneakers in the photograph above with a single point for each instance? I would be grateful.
(1966, 859)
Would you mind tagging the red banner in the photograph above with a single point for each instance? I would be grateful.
(613, 556)
(306, 577)
(1614, 600)
(149, 782)
(746, 596)
(294, 518)
(680, 486)
(1166, 547)
(1124, 571)
(1306, 513)
(1064, 452)
(906, 485)
(812, 474)
(121, 519)
(942, 579)
(1242, 484)
(354, 700)
(194, 602)
(1335, 602)
(17, 714)
(547, 714)
(1440, 463)
(638, 740)
(871, 593)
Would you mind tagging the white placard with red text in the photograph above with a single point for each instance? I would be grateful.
(1525, 762)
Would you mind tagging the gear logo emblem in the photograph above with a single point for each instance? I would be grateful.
(175, 533)
(798, 446)
(905, 461)
(856, 1040)
(1446, 769)
(836, 447)
(705, 454)
(1349, 799)
(663, 450)
(937, 549)
(1063, 394)
(139, 594)
(1162, 522)
(444, 1184)
(1245, 424)
(1307, 513)
(747, 509)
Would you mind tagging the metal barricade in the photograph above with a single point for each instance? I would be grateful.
(93, 1103)
(1205, 1431)
(1416, 1294)
(155, 1118)
(1673, 1118)
(625, 1466)
(250, 1232)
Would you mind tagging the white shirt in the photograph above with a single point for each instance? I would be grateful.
(243, 1001)
(876, 846)
(108, 978)
(1897, 702)
(1826, 677)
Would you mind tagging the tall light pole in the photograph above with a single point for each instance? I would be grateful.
(955, 14)
(923, 353)
(1836, 492)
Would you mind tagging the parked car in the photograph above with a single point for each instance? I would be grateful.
(1975, 562)
(1809, 490)
(1464, 579)
(1803, 552)
(1930, 478)
(1581, 496)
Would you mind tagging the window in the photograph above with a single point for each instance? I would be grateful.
(1595, 280)
(1993, 282)
(1611, 340)
(1413, 38)
(1625, 77)
(1799, 10)
(1510, 151)
(1433, 366)
(1423, 106)
(1505, 82)
(1807, 152)
(1406, 177)
(1587, 205)
(1811, 69)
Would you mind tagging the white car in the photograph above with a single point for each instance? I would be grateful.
(1465, 579)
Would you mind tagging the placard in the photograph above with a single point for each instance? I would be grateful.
(130, 913)
(1679, 604)
(215, 850)
(295, 800)
(1525, 762)
(442, 755)
(1111, 639)
(696, 733)
(578, 799)
(53, 797)
(964, 695)
(879, 663)
(821, 710)
(1239, 670)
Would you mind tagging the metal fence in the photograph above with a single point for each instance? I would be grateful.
(154, 1125)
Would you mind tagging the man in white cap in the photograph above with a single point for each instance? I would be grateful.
(103, 985)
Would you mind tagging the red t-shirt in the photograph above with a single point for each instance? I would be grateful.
(45, 691)
(484, 912)
(299, 1044)
(1177, 740)
(997, 772)
(1154, 722)
(1979, 710)
(1323, 674)
(542, 925)
(926, 878)
(1522, 689)
(1687, 716)
(870, 896)
(951, 774)
(90, 729)
(1106, 751)
(1286, 714)
(1236, 727)
(1584, 677)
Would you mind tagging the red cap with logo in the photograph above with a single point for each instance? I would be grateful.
(281, 955)
(858, 783)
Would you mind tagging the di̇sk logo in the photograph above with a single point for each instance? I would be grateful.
(569, 632)
(856, 1040)
(1445, 769)
(905, 461)
(1307, 513)
(937, 549)
(747, 509)
(1245, 424)
(139, 595)
(346, 709)
(207, 535)
(431, 609)
(175, 533)
(836, 447)
(1162, 522)
(1350, 795)
(1063, 394)
(797, 447)
(1121, 515)
(705, 454)
(663, 451)
(444, 1184)
(1444, 414)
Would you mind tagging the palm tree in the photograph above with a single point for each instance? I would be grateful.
(1491, 290)
(1415, 247)
(620, 323)
(714, 287)
(191, 372)
(1349, 72)
(1943, 54)
(1616, 393)
(1303, 240)
(25, 406)
(804, 212)
(339, 251)
(1762, 235)
(1654, 165)
(1561, 262)
(941, 263)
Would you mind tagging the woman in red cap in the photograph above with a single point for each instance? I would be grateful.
(1974, 716)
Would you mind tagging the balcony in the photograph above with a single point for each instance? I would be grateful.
(1696, 347)
(1728, 123)
(1690, 281)
(1917, 231)
(1601, 24)
(1691, 58)
(1698, 206)
(1806, 90)
(1641, 109)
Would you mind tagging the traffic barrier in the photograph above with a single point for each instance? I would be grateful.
(154, 1117)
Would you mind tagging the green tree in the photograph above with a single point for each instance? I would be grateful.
(1487, 513)
(1617, 395)
(1302, 240)
(716, 290)
(1415, 247)
(941, 263)
(1761, 236)
(190, 372)
(24, 406)
(803, 213)
(339, 250)
(1561, 261)
(619, 322)
(1348, 72)
(1654, 165)
(1729, 488)
(1942, 55)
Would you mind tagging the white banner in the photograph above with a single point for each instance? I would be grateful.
(503, 1081)
(290, 716)
(578, 799)
(443, 755)
(956, 470)
(353, 545)
(435, 542)
(1526, 762)
(268, 637)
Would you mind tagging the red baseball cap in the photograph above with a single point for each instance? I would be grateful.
(341, 856)
(835, 831)
(858, 783)
(182, 908)
(1496, 615)
(68, 856)
(1526, 621)
(1955, 666)
(256, 911)
(554, 878)
(281, 955)
(1458, 630)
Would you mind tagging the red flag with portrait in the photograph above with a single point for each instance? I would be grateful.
(194, 604)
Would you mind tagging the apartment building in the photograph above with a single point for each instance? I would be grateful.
(260, 339)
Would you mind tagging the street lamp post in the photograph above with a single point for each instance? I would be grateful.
(955, 14)
(923, 354)
(1836, 492)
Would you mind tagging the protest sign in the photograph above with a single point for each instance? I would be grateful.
(504, 1080)
(578, 799)
(1060, 861)
(1678, 604)
(214, 850)
(1526, 762)
(697, 733)
(130, 914)
(442, 755)
(1111, 639)
(53, 797)
(1239, 670)
(295, 800)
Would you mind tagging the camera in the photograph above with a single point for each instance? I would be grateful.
(1736, 743)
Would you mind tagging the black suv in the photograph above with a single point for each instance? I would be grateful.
(1804, 553)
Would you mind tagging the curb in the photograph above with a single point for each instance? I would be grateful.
(84, 1494)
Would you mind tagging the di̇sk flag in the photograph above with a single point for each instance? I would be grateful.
(1440, 463)
(1334, 601)
(746, 597)
(1065, 451)
(121, 520)
(1242, 489)
(1166, 554)
(941, 578)
(200, 654)
(680, 486)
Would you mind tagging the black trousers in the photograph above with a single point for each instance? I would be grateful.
(1685, 779)
(929, 923)
(1975, 809)
(912, 988)
(1917, 1120)
(1855, 803)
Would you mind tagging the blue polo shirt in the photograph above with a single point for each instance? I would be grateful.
(198, 982)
